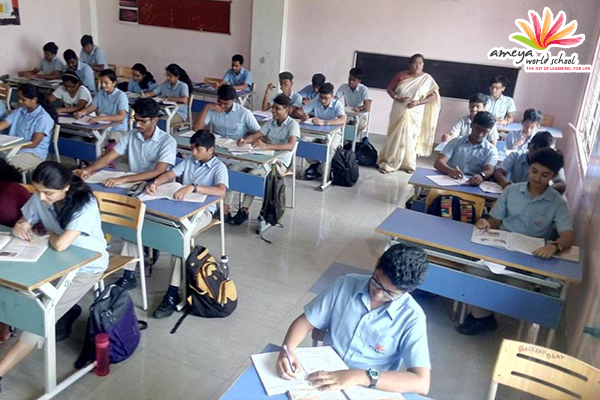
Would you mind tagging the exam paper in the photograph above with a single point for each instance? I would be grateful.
(167, 191)
(15, 249)
(491, 187)
(101, 176)
(273, 384)
(445, 180)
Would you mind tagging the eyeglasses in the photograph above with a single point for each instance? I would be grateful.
(386, 293)
(142, 121)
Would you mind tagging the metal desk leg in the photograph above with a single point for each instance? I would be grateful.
(100, 139)
(13, 152)
(551, 332)
(170, 115)
(222, 217)
(325, 181)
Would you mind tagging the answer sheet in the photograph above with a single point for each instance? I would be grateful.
(167, 191)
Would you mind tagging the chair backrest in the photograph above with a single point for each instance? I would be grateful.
(478, 202)
(124, 72)
(189, 105)
(55, 137)
(212, 81)
(30, 188)
(120, 211)
(5, 93)
(548, 120)
(112, 66)
(544, 372)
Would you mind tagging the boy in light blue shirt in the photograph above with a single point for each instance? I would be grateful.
(238, 76)
(92, 55)
(503, 107)
(373, 324)
(203, 173)
(311, 91)
(462, 127)
(471, 155)
(519, 139)
(286, 82)
(50, 66)
(356, 97)
(83, 71)
(3, 110)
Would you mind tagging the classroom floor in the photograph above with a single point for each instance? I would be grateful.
(206, 356)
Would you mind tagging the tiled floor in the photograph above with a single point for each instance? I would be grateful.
(205, 356)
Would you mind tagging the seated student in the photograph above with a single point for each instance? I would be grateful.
(3, 110)
(356, 96)
(110, 104)
(201, 172)
(238, 76)
(531, 208)
(50, 67)
(73, 95)
(286, 81)
(503, 107)
(462, 127)
(311, 91)
(281, 133)
(92, 55)
(325, 110)
(33, 121)
(83, 71)
(68, 210)
(471, 155)
(177, 88)
(373, 323)
(142, 80)
(519, 139)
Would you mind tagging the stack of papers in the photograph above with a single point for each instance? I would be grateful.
(15, 249)
(101, 176)
(445, 180)
(6, 140)
(167, 191)
(491, 187)
(164, 102)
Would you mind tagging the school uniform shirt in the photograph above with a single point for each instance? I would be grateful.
(48, 67)
(470, 158)
(86, 221)
(145, 154)
(532, 217)
(95, 57)
(211, 173)
(86, 75)
(3, 111)
(383, 338)
(353, 98)
(307, 92)
(280, 134)
(462, 127)
(514, 136)
(294, 97)
(133, 86)
(334, 110)
(111, 104)
(83, 93)
(180, 89)
(24, 124)
(235, 124)
(516, 165)
(234, 79)
(501, 106)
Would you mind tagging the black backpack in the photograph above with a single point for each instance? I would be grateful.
(209, 293)
(366, 153)
(453, 207)
(273, 206)
(344, 168)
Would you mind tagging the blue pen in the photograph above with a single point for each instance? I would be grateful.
(287, 354)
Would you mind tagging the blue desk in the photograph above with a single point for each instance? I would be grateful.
(28, 299)
(208, 94)
(310, 150)
(168, 109)
(12, 149)
(249, 387)
(515, 126)
(451, 241)
(88, 149)
(419, 179)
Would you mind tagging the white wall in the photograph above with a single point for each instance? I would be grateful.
(21, 45)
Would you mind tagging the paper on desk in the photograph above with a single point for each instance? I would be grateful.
(224, 142)
(441, 146)
(164, 102)
(66, 120)
(363, 393)
(572, 254)
(445, 180)
(244, 149)
(101, 176)
(265, 367)
(491, 187)
(15, 249)
(167, 191)
(5, 140)
(266, 115)
(85, 120)
(189, 133)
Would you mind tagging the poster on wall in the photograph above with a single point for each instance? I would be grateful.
(128, 11)
(9, 12)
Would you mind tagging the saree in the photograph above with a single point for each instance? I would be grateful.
(412, 130)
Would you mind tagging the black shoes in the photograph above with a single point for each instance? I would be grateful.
(65, 323)
(167, 307)
(228, 218)
(312, 173)
(127, 284)
(240, 217)
(473, 326)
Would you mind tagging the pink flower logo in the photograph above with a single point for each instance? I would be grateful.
(551, 32)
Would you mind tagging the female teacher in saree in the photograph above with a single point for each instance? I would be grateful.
(413, 118)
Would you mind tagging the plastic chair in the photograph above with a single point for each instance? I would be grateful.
(123, 217)
(189, 122)
(112, 66)
(5, 93)
(548, 120)
(124, 72)
(478, 202)
(543, 372)
(212, 81)
(55, 137)
(292, 171)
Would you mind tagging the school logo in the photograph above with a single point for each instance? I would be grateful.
(378, 348)
(537, 37)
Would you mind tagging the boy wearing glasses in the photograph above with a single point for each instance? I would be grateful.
(373, 323)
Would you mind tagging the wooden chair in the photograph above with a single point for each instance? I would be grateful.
(5, 93)
(212, 81)
(123, 217)
(478, 202)
(112, 66)
(548, 120)
(292, 171)
(543, 372)
(124, 72)
(29, 188)
(55, 137)
(190, 119)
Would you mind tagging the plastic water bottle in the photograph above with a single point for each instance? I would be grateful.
(225, 266)
(102, 357)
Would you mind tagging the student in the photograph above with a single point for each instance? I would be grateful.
(325, 110)
(462, 127)
(92, 55)
(110, 104)
(373, 323)
(49, 67)
(471, 155)
(286, 81)
(311, 91)
(519, 139)
(68, 210)
(531, 208)
(201, 172)
(238, 76)
(281, 133)
(142, 80)
(83, 71)
(503, 107)
(33, 121)
(3, 110)
(73, 95)
(515, 167)
(356, 96)
(177, 88)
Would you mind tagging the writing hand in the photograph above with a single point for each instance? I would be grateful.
(284, 370)
(23, 231)
(483, 224)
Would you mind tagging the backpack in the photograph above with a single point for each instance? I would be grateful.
(366, 153)
(112, 312)
(344, 168)
(273, 206)
(209, 293)
(453, 207)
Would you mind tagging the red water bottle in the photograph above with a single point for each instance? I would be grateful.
(102, 356)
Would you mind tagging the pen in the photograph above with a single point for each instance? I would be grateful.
(287, 354)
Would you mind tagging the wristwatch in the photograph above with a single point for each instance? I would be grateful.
(373, 375)
(483, 175)
(326, 122)
(195, 188)
(559, 248)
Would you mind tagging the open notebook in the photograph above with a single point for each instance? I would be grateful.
(312, 359)
(167, 191)
(15, 249)
(101, 176)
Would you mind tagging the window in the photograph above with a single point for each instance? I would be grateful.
(588, 122)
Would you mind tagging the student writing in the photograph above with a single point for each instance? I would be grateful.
(311, 91)
(141, 81)
(83, 71)
(177, 88)
(49, 67)
(92, 55)
(356, 96)
(72, 94)
(462, 127)
(503, 107)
